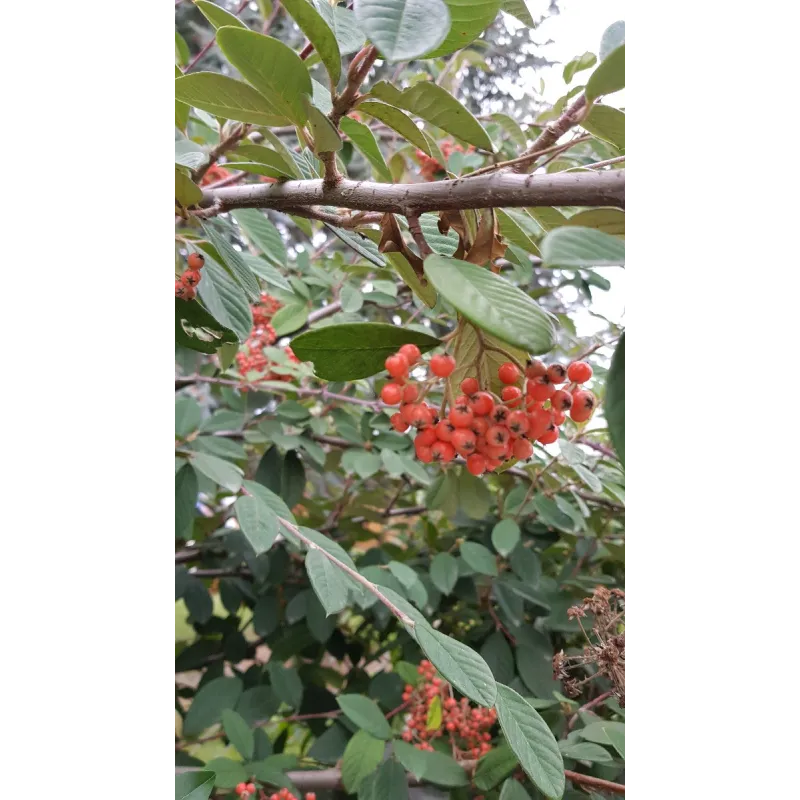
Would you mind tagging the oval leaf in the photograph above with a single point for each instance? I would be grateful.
(469, 19)
(258, 522)
(217, 16)
(479, 558)
(492, 303)
(328, 582)
(364, 140)
(319, 33)
(609, 76)
(239, 733)
(361, 756)
(578, 247)
(505, 536)
(615, 399)
(444, 572)
(365, 713)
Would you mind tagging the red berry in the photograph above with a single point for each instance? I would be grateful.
(424, 454)
(251, 787)
(497, 453)
(470, 385)
(398, 423)
(443, 451)
(196, 260)
(523, 450)
(407, 411)
(476, 464)
(397, 365)
(190, 278)
(561, 400)
(540, 421)
(461, 416)
(579, 372)
(464, 441)
(518, 422)
(559, 418)
(557, 373)
(410, 393)
(427, 437)
(241, 787)
(444, 430)
(508, 373)
(442, 365)
(180, 290)
(411, 352)
(535, 369)
(497, 436)
(499, 415)
(511, 396)
(549, 437)
(479, 426)
(583, 405)
(311, 796)
(190, 293)
(391, 394)
(541, 389)
(421, 416)
(481, 403)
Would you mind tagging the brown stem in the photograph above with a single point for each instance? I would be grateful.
(419, 237)
(586, 707)
(522, 160)
(359, 68)
(229, 142)
(598, 783)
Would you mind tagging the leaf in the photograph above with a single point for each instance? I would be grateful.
(494, 766)
(581, 247)
(609, 76)
(225, 97)
(513, 232)
(551, 514)
(326, 137)
(258, 522)
(271, 67)
(389, 782)
(436, 105)
(615, 399)
(357, 350)
(225, 299)
(606, 123)
(185, 499)
(460, 665)
(512, 128)
(589, 478)
(364, 712)
(319, 33)
(343, 23)
(361, 756)
(228, 773)
(445, 244)
(404, 29)
(613, 37)
(269, 497)
(209, 703)
(262, 233)
(430, 766)
(505, 536)
(474, 498)
(607, 220)
(361, 244)
(397, 120)
(239, 733)
(187, 193)
(327, 581)
(521, 9)
(222, 472)
(513, 790)
(497, 653)
(479, 558)
(532, 742)
(444, 572)
(586, 751)
(286, 683)
(577, 65)
(290, 318)
(433, 720)
(194, 785)
(218, 16)
(364, 140)
(469, 19)
(276, 163)
(424, 291)
(233, 260)
(492, 303)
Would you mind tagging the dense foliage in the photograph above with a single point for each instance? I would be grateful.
(364, 609)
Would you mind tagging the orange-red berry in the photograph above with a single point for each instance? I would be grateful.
(508, 373)
(541, 389)
(424, 454)
(411, 352)
(426, 437)
(557, 373)
(579, 372)
(561, 400)
(241, 787)
(535, 369)
(476, 464)
(583, 405)
(549, 436)
(190, 278)
(311, 796)
(499, 415)
(511, 396)
(518, 422)
(443, 451)
(461, 416)
(497, 436)
(522, 450)
(196, 260)
(444, 430)
(481, 403)
(398, 423)
(442, 365)
(464, 441)
(410, 393)
(397, 365)
(180, 290)
(470, 385)
(251, 787)
(391, 394)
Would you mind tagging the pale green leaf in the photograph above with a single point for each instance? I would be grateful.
(576, 247)
(404, 29)
(258, 522)
(319, 33)
(327, 581)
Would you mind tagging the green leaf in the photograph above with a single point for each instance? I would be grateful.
(319, 33)
(551, 514)
(505, 536)
(290, 318)
(185, 499)
(469, 19)
(181, 49)
(239, 733)
(351, 298)
(613, 37)
(194, 785)
(209, 703)
(425, 291)
(494, 766)
(532, 742)
(521, 10)
(444, 572)
(513, 790)
(365, 713)
(397, 120)
(267, 496)
(343, 23)
(225, 97)
(436, 105)
(218, 16)
(615, 399)
(512, 128)
(222, 472)
(497, 654)
(606, 123)
(274, 161)
(360, 243)
(361, 756)
(479, 558)
(474, 498)
(258, 522)
(581, 247)
(328, 582)
(271, 67)
(404, 29)
(433, 720)
(233, 260)
(389, 782)
(358, 350)
(586, 751)
(607, 220)
(589, 478)
(492, 303)
(445, 244)
(227, 772)
(513, 232)
(577, 64)
(609, 76)
(187, 193)
(430, 766)
(263, 234)
(225, 299)
(364, 140)
(460, 665)
(326, 137)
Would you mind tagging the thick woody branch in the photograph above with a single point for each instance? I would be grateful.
(496, 190)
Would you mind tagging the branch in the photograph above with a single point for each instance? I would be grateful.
(339, 220)
(229, 142)
(495, 190)
(598, 783)
(419, 237)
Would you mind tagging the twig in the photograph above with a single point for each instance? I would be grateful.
(419, 237)
(521, 160)
(598, 783)
(359, 68)
(210, 44)
(608, 162)
(229, 142)
(270, 20)
(339, 220)
(586, 707)
(228, 180)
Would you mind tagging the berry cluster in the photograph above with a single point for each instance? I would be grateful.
(285, 794)
(245, 790)
(251, 357)
(213, 174)
(186, 285)
(466, 726)
(431, 168)
(481, 427)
